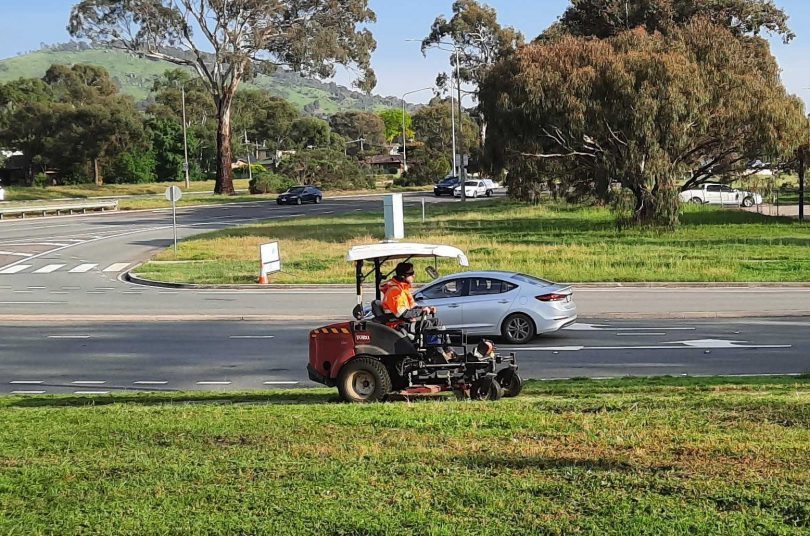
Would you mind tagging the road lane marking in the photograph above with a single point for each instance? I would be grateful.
(27, 382)
(578, 326)
(117, 267)
(647, 334)
(91, 392)
(213, 383)
(68, 336)
(49, 269)
(32, 303)
(27, 392)
(70, 288)
(147, 382)
(252, 337)
(281, 383)
(15, 254)
(37, 288)
(15, 269)
(88, 382)
(83, 268)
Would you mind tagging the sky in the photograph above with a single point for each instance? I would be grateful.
(399, 64)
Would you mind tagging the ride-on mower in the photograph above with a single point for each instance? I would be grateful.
(369, 361)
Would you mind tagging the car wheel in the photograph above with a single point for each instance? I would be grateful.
(475, 194)
(364, 380)
(318, 200)
(486, 389)
(489, 193)
(437, 194)
(278, 201)
(298, 201)
(748, 202)
(518, 329)
(696, 201)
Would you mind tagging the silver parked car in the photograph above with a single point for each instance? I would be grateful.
(515, 306)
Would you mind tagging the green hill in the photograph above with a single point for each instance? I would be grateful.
(135, 77)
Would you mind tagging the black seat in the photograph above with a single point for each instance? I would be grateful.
(380, 316)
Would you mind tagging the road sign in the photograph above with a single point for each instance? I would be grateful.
(271, 258)
(174, 194)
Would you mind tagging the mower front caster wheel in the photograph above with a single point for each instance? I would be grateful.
(364, 380)
(510, 381)
(486, 389)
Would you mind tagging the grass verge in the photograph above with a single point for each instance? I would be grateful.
(631, 456)
(557, 242)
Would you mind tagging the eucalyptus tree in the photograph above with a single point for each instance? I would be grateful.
(227, 41)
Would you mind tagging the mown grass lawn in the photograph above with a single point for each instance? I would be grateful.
(631, 456)
(561, 243)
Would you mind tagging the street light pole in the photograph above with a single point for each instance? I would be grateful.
(404, 128)
(185, 137)
(462, 176)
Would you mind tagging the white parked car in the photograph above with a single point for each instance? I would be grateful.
(475, 188)
(720, 194)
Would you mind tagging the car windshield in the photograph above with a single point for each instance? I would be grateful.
(471, 183)
(448, 182)
(531, 279)
(298, 190)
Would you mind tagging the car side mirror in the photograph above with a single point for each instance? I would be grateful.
(358, 312)
(432, 272)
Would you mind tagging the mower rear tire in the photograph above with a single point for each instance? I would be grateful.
(364, 380)
(510, 381)
(486, 389)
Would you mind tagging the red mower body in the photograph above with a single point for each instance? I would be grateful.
(330, 348)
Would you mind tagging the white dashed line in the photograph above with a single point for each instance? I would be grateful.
(15, 254)
(213, 383)
(146, 382)
(252, 337)
(281, 383)
(37, 288)
(82, 268)
(117, 267)
(27, 382)
(49, 268)
(68, 336)
(88, 382)
(15, 269)
(27, 392)
(91, 392)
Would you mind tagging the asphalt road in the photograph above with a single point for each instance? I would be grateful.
(66, 316)
(230, 356)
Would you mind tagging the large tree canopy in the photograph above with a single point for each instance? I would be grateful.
(606, 18)
(645, 109)
(228, 40)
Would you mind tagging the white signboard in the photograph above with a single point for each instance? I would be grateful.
(271, 258)
(394, 219)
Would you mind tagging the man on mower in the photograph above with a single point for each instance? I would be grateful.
(398, 301)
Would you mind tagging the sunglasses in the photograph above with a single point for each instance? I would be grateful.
(409, 274)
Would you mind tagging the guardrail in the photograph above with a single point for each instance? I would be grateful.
(58, 209)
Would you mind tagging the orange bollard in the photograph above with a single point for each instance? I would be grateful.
(263, 277)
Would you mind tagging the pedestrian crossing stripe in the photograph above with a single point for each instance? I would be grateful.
(51, 268)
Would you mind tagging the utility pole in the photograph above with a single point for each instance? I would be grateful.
(250, 166)
(185, 137)
(802, 169)
(462, 167)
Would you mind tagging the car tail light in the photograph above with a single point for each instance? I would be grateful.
(552, 297)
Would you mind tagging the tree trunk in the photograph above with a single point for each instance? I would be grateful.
(657, 207)
(224, 183)
(97, 173)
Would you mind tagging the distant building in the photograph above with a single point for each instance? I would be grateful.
(387, 164)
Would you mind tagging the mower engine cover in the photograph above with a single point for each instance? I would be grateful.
(330, 348)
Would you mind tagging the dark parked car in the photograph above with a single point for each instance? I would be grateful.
(299, 195)
(445, 186)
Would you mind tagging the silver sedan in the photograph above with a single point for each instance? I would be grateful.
(514, 306)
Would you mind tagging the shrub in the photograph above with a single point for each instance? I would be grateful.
(328, 168)
(266, 182)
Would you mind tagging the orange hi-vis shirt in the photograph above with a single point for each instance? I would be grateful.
(397, 298)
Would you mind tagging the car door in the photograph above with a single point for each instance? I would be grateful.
(307, 195)
(714, 194)
(487, 302)
(446, 297)
(729, 195)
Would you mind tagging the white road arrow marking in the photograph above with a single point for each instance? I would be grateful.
(601, 327)
(720, 343)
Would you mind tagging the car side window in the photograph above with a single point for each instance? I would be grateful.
(713, 188)
(482, 286)
(449, 289)
(727, 189)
